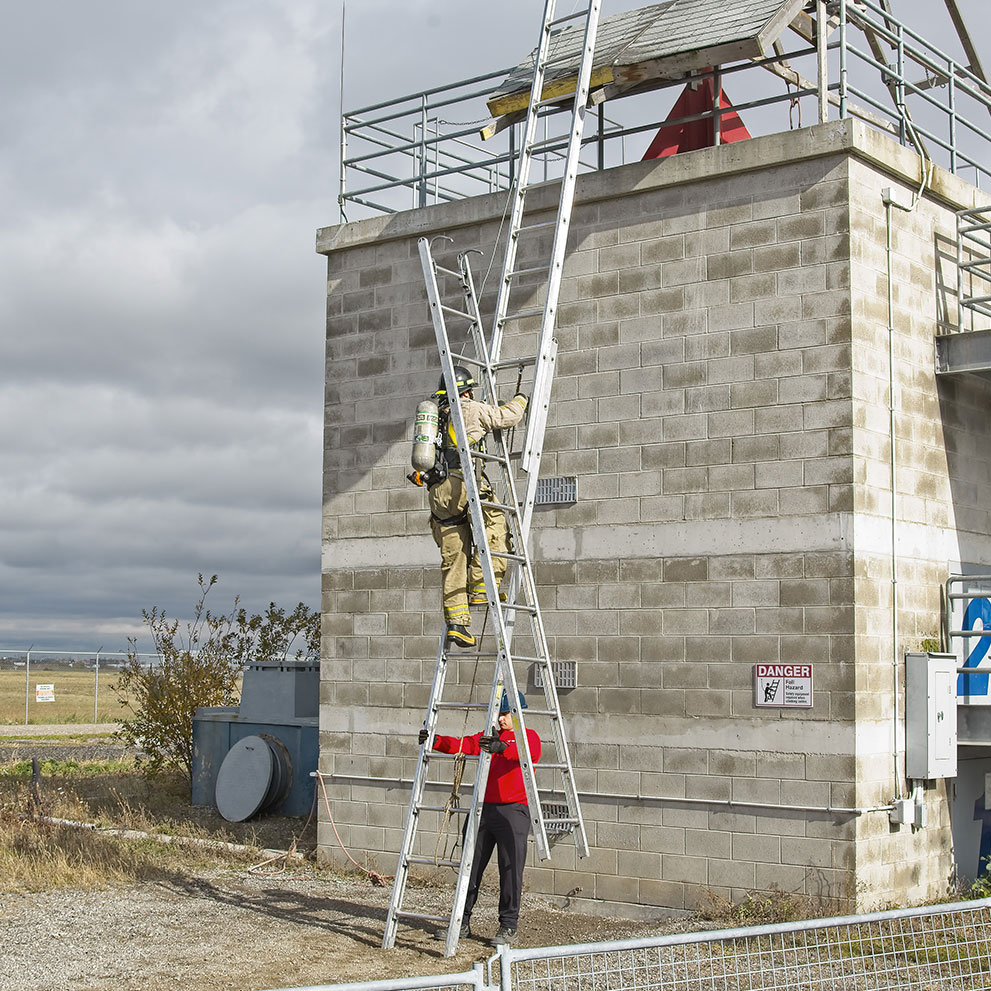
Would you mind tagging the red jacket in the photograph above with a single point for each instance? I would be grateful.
(505, 782)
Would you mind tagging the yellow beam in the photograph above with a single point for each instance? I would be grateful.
(555, 89)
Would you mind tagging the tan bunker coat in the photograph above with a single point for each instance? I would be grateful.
(450, 521)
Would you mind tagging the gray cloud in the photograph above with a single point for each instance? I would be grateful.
(163, 168)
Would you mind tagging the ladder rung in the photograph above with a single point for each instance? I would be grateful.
(527, 271)
(557, 60)
(551, 101)
(485, 456)
(463, 810)
(433, 863)
(513, 363)
(525, 228)
(568, 17)
(519, 558)
(498, 505)
(447, 271)
(457, 312)
(541, 766)
(522, 315)
(560, 822)
(460, 705)
(976, 264)
(421, 915)
(532, 610)
(435, 754)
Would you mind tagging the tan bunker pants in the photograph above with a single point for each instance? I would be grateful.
(460, 568)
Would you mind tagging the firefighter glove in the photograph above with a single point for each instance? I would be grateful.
(422, 736)
(492, 744)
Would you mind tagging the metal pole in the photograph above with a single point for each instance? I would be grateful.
(27, 684)
(843, 66)
(512, 155)
(894, 499)
(96, 691)
(422, 157)
(717, 117)
(952, 100)
(823, 61)
(602, 134)
(900, 89)
(344, 133)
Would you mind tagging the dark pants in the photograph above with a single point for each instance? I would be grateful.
(506, 828)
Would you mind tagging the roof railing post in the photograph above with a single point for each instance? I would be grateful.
(717, 117)
(900, 86)
(601, 135)
(951, 76)
(822, 59)
(422, 157)
(843, 59)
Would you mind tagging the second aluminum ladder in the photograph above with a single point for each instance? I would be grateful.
(520, 608)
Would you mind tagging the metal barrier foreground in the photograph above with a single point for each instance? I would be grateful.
(944, 947)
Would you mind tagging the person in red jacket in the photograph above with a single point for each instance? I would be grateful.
(505, 820)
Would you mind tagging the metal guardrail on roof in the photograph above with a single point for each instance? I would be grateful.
(425, 148)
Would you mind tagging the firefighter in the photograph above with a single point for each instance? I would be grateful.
(504, 825)
(450, 520)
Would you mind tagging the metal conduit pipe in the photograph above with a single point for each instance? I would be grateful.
(889, 197)
(726, 803)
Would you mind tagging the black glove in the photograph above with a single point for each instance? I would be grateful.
(422, 736)
(492, 744)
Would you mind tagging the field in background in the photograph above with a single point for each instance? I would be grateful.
(75, 694)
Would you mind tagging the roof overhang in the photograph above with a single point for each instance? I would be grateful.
(662, 41)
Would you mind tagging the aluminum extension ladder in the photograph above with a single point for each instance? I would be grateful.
(520, 607)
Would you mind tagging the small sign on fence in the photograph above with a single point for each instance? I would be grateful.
(44, 693)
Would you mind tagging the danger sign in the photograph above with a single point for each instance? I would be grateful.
(778, 685)
(44, 693)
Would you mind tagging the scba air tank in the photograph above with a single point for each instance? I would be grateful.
(425, 432)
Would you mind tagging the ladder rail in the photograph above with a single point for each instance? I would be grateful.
(521, 603)
(522, 177)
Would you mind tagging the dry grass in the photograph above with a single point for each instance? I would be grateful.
(772, 906)
(75, 692)
(37, 854)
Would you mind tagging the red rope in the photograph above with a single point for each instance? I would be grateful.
(373, 876)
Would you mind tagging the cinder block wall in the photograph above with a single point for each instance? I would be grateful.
(721, 394)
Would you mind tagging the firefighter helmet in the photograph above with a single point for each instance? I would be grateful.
(463, 380)
(504, 704)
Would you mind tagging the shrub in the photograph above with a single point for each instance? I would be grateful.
(200, 667)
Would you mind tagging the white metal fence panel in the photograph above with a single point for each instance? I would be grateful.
(944, 947)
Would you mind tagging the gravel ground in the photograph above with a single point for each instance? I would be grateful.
(241, 932)
(238, 930)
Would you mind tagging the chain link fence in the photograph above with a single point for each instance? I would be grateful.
(61, 686)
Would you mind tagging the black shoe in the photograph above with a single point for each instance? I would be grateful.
(463, 933)
(460, 636)
(504, 937)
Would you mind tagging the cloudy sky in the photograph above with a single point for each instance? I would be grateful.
(163, 169)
